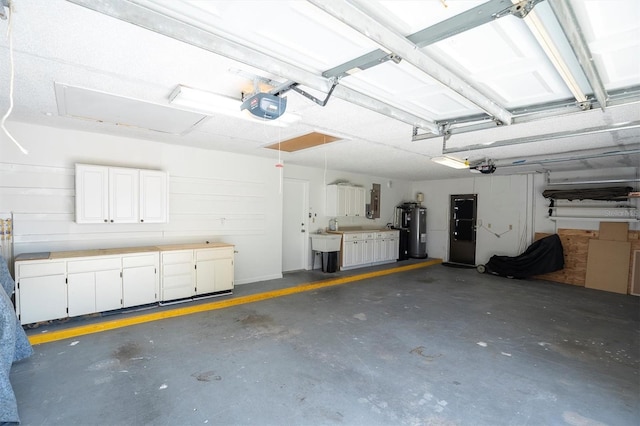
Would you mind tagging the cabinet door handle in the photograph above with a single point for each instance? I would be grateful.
(106, 220)
(141, 220)
(111, 220)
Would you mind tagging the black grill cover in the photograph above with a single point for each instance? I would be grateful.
(543, 256)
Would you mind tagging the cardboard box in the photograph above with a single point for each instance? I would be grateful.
(635, 274)
(613, 231)
(608, 265)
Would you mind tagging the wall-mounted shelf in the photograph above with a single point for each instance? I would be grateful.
(629, 175)
(593, 182)
(610, 204)
(594, 207)
(595, 219)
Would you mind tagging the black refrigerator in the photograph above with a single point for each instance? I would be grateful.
(411, 221)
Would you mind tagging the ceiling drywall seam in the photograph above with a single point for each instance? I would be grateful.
(356, 18)
(152, 20)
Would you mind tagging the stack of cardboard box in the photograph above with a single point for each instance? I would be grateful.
(608, 258)
(634, 288)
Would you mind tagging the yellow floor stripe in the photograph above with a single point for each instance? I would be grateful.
(46, 337)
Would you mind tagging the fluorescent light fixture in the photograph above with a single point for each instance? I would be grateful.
(451, 162)
(213, 103)
(553, 52)
(203, 101)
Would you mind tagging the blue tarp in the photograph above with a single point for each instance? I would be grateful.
(14, 345)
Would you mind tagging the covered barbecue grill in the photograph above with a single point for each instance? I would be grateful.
(541, 257)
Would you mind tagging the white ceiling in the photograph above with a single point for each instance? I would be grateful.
(491, 87)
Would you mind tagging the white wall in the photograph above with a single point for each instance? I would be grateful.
(218, 196)
(392, 193)
(517, 201)
(503, 202)
(213, 196)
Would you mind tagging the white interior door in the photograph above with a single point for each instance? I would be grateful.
(295, 236)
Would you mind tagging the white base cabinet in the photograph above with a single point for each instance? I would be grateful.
(140, 279)
(94, 285)
(69, 284)
(352, 254)
(41, 291)
(214, 270)
(386, 246)
(188, 273)
(178, 275)
(361, 249)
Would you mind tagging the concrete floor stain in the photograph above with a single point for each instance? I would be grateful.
(256, 320)
(420, 351)
(206, 376)
(127, 351)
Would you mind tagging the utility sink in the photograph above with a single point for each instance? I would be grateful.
(325, 242)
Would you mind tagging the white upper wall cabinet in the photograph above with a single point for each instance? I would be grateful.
(92, 189)
(154, 206)
(120, 195)
(345, 200)
(123, 195)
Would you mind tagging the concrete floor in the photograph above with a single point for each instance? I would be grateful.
(431, 346)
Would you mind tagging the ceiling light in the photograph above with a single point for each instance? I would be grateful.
(553, 52)
(203, 101)
(451, 162)
(214, 103)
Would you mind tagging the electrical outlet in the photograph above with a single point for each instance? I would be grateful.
(510, 227)
(489, 226)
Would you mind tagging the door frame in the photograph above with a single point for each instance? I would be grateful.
(474, 241)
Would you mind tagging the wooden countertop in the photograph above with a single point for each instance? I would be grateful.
(360, 231)
(99, 252)
(192, 246)
(117, 251)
